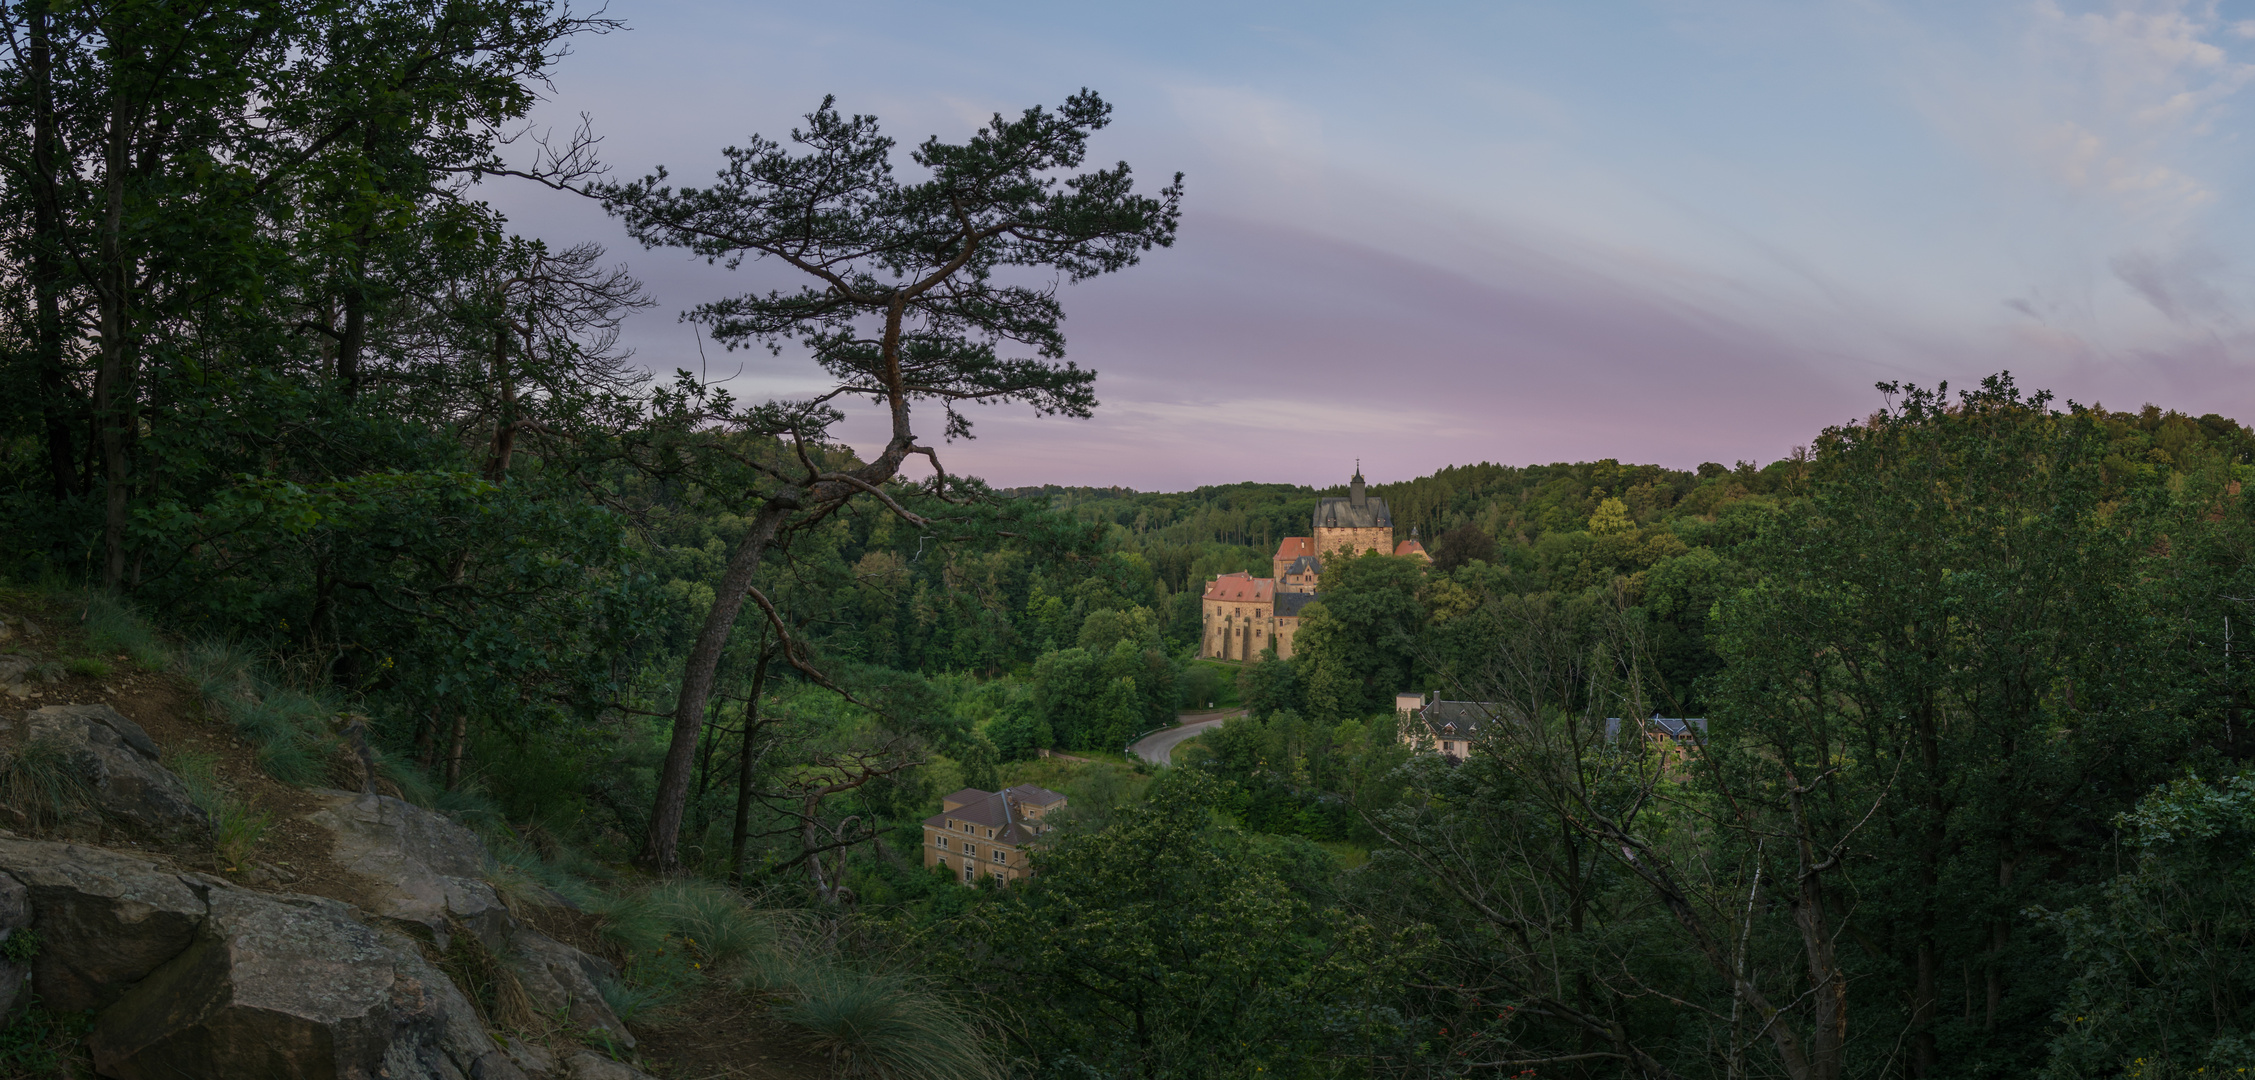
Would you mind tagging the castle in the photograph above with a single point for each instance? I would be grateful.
(1245, 614)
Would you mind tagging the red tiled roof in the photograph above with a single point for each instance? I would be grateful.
(1409, 547)
(1243, 587)
(1295, 546)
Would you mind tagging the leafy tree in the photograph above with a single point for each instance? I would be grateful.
(1169, 946)
(1951, 660)
(1354, 646)
(1463, 544)
(2163, 960)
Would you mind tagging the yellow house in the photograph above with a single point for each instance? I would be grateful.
(987, 833)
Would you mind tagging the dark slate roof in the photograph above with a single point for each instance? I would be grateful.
(1305, 564)
(1672, 727)
(1456, 718)
(1288, 604)
(988, 810)
(1033, 795)
(1342, 513)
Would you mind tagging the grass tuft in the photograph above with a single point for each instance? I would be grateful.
(290, 728)
(884, 1025)
(114, 627)
(236, 829)
(42, 785)
(91, 667)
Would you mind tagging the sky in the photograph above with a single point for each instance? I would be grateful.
(1425, 234)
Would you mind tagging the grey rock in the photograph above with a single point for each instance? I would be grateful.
(15, 917)
(531, 1057)
(105, 919)
(562, 981)
(292, 986)
(497, 1066)
(588, 1065)
(122, 764)
(424, 869)
(13, 667)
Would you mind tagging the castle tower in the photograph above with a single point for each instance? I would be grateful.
(1353, 525)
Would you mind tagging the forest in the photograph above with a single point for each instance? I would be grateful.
(290, 415)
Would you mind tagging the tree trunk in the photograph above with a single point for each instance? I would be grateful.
(454, 753)
(350, 342)
(113, 389)
(659, 853)
(741, 837)
(46, 267)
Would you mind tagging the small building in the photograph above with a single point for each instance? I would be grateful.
(1449, 727)
(988, 833)
(1674, 737)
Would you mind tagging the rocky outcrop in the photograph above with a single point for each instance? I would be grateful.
(193, 976)
(292, 986)
(105, 919)
(563, 981)
(424, 870)
(130, 785)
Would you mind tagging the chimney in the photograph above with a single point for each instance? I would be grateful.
(1355, 496)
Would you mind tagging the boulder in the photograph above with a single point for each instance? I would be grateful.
(293, 986)
(423, 869)
(589, 1065)
(105, 919)
(15, 917)
(130, 785)
(563, 981)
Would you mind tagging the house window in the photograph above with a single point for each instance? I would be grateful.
(943, 843)
(970, 850)
(990, 834)
(1001, 856)
(968, 870)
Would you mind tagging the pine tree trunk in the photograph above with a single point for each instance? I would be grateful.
(741, 837)
(659, 848)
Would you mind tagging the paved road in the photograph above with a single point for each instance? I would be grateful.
(1158, 747)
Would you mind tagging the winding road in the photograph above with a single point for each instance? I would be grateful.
(1158, 747)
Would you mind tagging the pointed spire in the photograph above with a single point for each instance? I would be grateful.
(1354, 491)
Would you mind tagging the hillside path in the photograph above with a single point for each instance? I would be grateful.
(1158, 747)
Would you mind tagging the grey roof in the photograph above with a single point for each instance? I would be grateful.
(1033, 795)
(1670, 726)
(1456, 718)
(1288, 604)
(1342, 513)
(1305, 564)
(992, 810)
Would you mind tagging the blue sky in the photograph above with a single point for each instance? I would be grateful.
(1429, 234)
